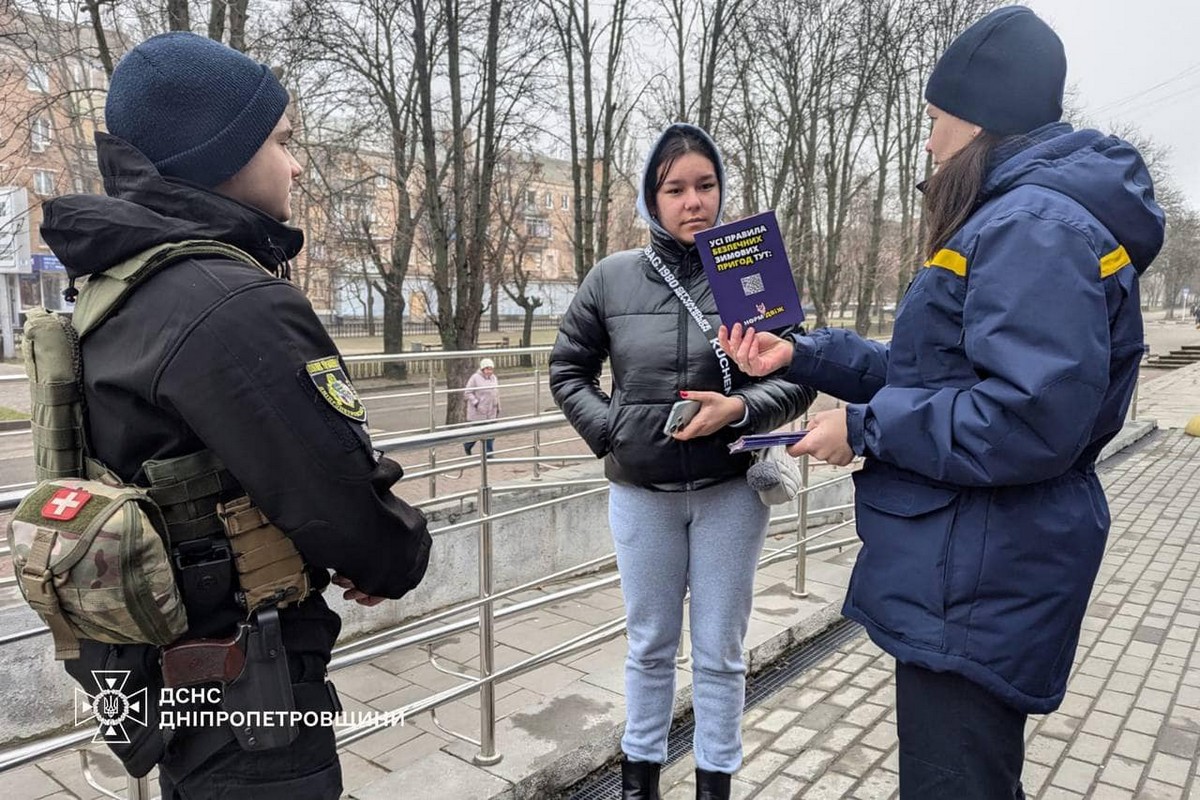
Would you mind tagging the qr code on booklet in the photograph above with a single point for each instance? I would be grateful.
(753, 284)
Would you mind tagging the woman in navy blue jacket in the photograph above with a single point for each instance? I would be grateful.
(1012, 364)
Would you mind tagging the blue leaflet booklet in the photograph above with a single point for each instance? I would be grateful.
(759, 441)
(749, 273)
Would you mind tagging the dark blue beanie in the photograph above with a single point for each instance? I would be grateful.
(196, 108)
(1005, 73)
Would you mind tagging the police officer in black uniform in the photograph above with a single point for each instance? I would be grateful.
(215, 379)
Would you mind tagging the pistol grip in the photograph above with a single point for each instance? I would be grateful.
(202, 661)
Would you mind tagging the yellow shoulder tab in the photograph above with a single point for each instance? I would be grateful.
(1116, 260)
(948, 259)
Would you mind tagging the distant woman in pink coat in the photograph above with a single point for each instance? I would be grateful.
(483, 399)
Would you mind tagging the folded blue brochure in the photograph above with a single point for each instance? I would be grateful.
(749, 272)
(759, 441)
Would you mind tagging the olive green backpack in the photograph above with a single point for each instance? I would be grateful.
(89, 552)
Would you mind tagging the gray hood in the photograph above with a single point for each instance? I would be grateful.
(649, 178)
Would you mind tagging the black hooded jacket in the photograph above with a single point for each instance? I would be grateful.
(210, 354)
(625, 312)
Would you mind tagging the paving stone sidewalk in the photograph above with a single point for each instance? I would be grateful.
(1130, 724)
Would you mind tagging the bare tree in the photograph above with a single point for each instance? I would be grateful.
(703, 32)
(823, 38)
(893, 34)
(358, 73)
(581, 39)
(840, 110)
(511, 244)
(1178, 266)
(487, 55)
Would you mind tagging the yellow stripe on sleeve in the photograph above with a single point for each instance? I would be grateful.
(1116, 260)
(948, 259)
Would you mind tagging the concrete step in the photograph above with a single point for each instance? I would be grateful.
(1181, 355)
(1189, 354)
(1190, 358)
(1168, 363)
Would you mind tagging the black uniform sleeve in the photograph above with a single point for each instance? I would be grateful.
(237, 378)
(576, 361)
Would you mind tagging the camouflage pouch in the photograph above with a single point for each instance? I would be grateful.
(88, 557)
(270, 570)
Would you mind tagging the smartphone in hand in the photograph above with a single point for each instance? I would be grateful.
(681, 414)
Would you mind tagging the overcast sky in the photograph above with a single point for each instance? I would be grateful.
(1136, 61)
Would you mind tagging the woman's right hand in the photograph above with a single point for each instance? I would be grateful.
(827, 439)
(756, 353)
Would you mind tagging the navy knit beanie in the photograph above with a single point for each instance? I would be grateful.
(1005, 73)
(198, 109)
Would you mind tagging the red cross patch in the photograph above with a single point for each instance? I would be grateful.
(65, 504)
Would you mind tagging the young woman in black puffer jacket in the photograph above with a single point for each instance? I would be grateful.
(681, 512)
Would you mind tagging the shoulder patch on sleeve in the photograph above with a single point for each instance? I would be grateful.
(335, 388)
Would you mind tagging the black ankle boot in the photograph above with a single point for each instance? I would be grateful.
(712, 785)
(639, 780)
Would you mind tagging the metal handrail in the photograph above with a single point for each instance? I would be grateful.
(438, 355)
(460, 608)
(466, 606)
(418, 441)
(577, 644)
(354, 654)
(514, 512)
(581, 642)
(387, 358)
(774, 521)
(397, 637)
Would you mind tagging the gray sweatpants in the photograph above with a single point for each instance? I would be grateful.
(707, 540)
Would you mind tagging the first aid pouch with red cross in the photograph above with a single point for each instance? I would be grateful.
(89, 560)
(88, 552)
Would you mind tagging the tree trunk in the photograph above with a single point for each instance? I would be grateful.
(177, 15)
(371, 313)
(101, 34)
(237, 24)
(680, 55)
(802, 268)
(393, 329)
(870, 278)
(216, 20)
(527, 335)
(494, 314)
(608, 114)
(587, 242)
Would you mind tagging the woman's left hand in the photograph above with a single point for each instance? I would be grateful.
(716, 411)
(828, 439)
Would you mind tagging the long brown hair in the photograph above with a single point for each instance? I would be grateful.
(953, 191)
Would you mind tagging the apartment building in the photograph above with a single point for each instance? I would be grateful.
(51, 104)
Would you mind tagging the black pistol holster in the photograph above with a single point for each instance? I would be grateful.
(225, 550)
(263, 686)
